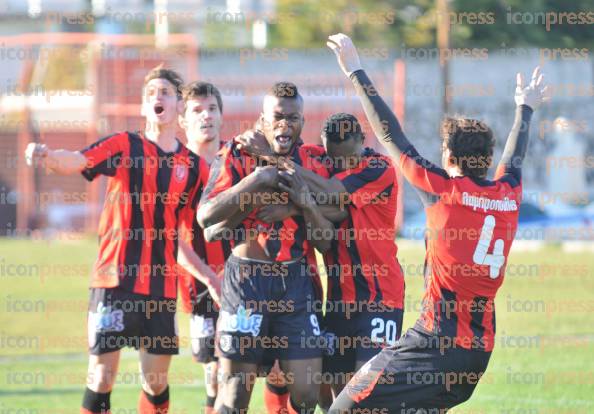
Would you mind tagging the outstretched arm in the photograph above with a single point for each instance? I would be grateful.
(527, 100)
(60, 161)
(384, 123)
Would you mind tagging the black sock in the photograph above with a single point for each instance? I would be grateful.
(210, 401)
(96, 402)
(277, 389)
(158, 399)
(227, 410)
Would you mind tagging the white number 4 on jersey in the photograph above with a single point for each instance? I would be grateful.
(481, 256)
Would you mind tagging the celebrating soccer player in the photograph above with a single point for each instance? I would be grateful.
(267, 281)
(202, 121)
(151, 179)
(364, 309)
(454, 336)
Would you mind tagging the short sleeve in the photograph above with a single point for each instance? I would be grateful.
(224, 174)
(104, 156)
(368, 182)
(424, 175)
(314, 159)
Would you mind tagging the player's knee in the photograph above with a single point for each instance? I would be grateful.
(101, 385)
(100, 378)
(155, 388)
(236, 393)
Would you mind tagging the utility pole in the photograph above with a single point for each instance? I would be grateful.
(443, 44)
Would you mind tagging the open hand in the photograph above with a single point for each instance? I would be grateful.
(534, 93)
(345, 51)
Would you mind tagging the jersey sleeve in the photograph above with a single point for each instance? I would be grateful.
(104, 156)
(201, 182)
(225, 172)
(366, 183)
(314, 157)
(515, 147)
(423, 174)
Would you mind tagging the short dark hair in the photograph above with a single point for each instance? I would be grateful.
(341, 127)
(471, 144)
(284, 90)
(160, 72)
(200, 89)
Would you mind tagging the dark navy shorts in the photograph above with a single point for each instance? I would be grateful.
(267, 308)
(417, 375)
(360, 332)
(118, 318)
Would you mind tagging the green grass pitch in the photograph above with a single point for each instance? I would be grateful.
(543, 361)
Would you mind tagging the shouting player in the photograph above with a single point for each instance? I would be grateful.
(452, 340)
(267, 282)
(202, 121)
(364, 309)
(151, 178)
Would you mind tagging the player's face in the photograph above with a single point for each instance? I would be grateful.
(344, 154)
(159, 102)
(202, 119)
(281, 122)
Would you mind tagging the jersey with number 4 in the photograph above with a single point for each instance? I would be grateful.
(471, 224)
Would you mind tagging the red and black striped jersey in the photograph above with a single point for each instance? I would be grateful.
(362, 264)
(213, 253)
(147, 192)
(471, 225)
(283, 240)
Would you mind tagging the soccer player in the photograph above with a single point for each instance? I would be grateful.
(267, 282)
(454, 336)
(202, 120)
(364, 309)
(151, 177)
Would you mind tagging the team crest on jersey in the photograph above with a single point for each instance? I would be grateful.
(106, 320)
(180, 172)
(242, 321)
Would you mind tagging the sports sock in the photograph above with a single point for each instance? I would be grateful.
(276, 398)
(209, 407)
(95, 402)
(153, 404)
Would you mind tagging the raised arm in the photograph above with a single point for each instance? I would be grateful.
(384, 123)
(528, 98)
(428, 179)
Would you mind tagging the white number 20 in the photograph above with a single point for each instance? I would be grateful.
(379, 335)
(481, 256)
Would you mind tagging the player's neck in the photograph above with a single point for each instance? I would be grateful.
(206, 150)
(454, 172)
(163, 136)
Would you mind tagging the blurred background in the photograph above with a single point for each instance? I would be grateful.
(72, 73)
